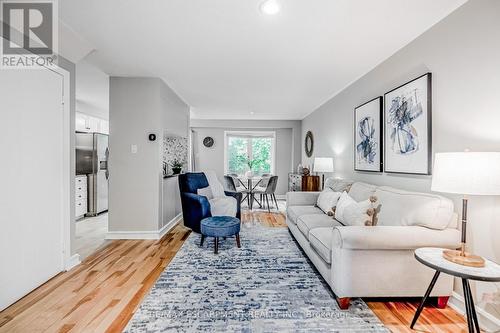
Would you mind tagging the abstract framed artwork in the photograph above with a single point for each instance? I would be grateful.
(408, 127)
(368, 136)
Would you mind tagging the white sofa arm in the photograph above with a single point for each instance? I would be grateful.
(301, 198)
(393, 238)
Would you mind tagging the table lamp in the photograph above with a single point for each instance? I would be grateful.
(466, 173)
(322, 165)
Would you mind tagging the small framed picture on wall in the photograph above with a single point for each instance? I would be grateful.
(408, 127)
(368, 136)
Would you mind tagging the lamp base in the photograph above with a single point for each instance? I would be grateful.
(465, 259)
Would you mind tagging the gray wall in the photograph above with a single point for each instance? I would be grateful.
(287, 144)
(463, 54)
(138, 107)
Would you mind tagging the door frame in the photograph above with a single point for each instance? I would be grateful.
(68, 159)
(68, 205)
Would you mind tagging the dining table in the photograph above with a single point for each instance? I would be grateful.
(250, 184)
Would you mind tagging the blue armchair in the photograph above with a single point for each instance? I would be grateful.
(196, 207)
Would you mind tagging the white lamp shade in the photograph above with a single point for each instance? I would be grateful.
(468, 173)
(323, 164)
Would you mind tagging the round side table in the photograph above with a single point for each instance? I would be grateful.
(433, 258)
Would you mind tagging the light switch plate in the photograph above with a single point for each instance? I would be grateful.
(133, 149)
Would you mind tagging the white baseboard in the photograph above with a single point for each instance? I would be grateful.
(487, 321)
(144, 234)
(72, 261)
(169, 226)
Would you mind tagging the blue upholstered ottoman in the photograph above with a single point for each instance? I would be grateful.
(220, 226)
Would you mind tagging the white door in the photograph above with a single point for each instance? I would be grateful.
(31, 168)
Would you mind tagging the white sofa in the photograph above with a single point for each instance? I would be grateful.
(376, 261)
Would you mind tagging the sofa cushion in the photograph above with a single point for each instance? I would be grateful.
(338, 185)
(294, 212)
(307, 222)
(321, 241)
(398, 207)
(361, 191)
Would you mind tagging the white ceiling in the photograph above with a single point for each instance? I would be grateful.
(227, 60)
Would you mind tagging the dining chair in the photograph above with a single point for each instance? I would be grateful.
(262, 185)
(237, 181)
(269, 191)
(229, 184)
(232, 181)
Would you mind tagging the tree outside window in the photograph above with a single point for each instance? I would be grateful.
(247, 151)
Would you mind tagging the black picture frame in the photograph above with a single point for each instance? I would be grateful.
(380, 143)
(427, 155)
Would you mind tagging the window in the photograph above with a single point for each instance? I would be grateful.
(245, 149)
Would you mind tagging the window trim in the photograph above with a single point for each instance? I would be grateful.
(256, 134)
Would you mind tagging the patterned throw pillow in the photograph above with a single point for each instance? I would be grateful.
(350, 212)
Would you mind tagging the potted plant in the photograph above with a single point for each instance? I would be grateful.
(176, 166)
(250, 163)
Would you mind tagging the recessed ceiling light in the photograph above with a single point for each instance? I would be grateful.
(270, 7)
(251, 112)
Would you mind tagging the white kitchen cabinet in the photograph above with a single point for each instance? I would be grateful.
(104, 126)
(90, 124)
(80, 196)
(80, 122)
(93, 124)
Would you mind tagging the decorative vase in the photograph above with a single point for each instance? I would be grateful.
(176, 171)
(299, 169)
(249, 174)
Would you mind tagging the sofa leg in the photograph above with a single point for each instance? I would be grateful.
(442, 302)
(343, 303)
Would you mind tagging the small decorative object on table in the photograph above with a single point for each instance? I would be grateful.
(251, 163)
(176, 167)
(466, 173)
(220, 226)
(433, 258)
(300, 168)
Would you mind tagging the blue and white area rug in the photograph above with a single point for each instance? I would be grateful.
(266, 286)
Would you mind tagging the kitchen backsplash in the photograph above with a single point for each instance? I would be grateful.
(175, 148)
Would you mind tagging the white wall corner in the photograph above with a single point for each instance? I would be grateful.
(145, 234)
(72, 261)
(169, 226)
(488, 322)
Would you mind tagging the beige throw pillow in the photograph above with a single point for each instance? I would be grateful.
(327, 199)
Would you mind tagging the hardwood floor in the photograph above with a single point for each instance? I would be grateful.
(102, 293)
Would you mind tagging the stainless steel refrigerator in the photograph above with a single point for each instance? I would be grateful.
(92, 154)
